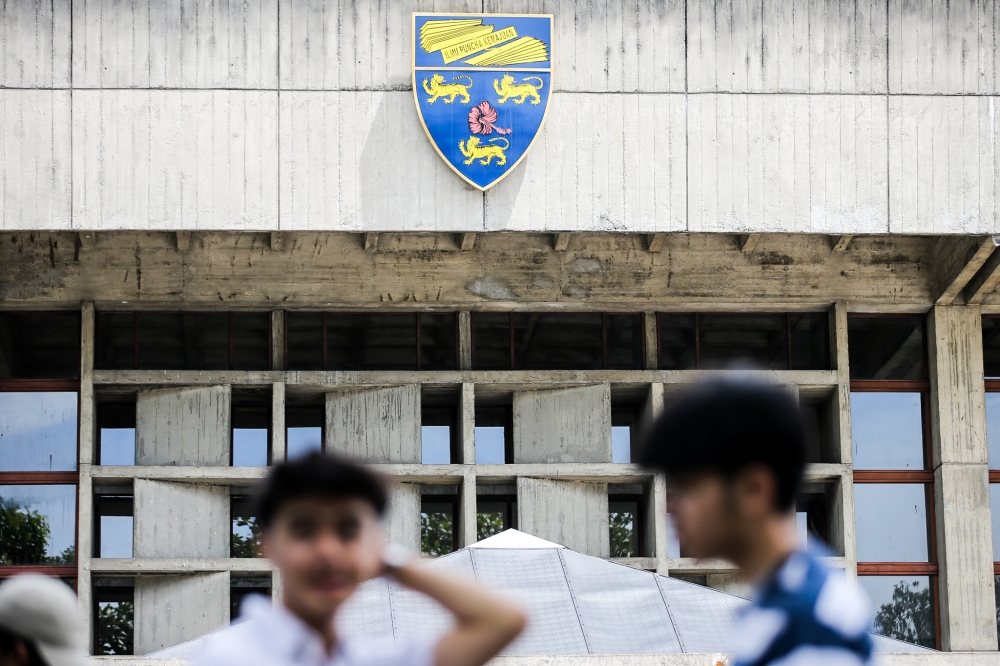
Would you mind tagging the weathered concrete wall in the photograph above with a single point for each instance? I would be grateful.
(739, 116)
(173, 609)
(181, 520)
(402, 519)
(563, 425)
(571, 513)
(187, 426)
(375, 425)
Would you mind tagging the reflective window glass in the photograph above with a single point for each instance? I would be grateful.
(39, 345)
(435, 444)
(891, 522)
(760, 340)
(621, 444)
(886, 347)
(38, 524)
(904, 607)
(623, 524)
(245, 535)
(991, 347)
(438, 341)
(564, 341)
(491, 336)
(114, 526)
(304, 333)
(437, 526)
(38, 431)
(183, 340)
(993, 428)
(114, 619)
(887, 430)
(676, 334)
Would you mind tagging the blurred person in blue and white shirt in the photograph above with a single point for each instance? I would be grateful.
(733, 451)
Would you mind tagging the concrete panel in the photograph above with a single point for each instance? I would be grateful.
(356, 161)
(181, 520)
(380, 425)
(634, 46)
(35, 38)
(787, 163)
(185, 426)
(35, 191)
(402, 519)
(175, 160)
(962, 517)
(571, 513)
(958, 398)
(626, 171)
(173, 609)
(563, 425)
(180, 44)
(817, 46)
(944, 47)
(943, 166)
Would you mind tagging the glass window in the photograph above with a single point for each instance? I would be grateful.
(437, 435)
(491, 337)
(558, 341)
(991, 347)
(887, 430)
(251, 344)
(624, 339)
(38, 431)
(437, 525)
(621, 444)
(886, 347)
(303, 430)
(251, 424)
(304, 336)
(241, 587)
(113, 537)
(115, 333)
(760, 340)
(623, 523)
(494, 514)
(438, 341)
(493, 435)
(114, 610)
(39, 345)
(904, 607)
(245, 536)
(993, 428)
(995, 511)
(891, 522)
(676, 334)
(183, 341)
(38, 524)
(810, 340)
(371, 341)
(116, 432)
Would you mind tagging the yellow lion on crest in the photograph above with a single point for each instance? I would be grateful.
(438, 88)
(473, 150)
(507, 89)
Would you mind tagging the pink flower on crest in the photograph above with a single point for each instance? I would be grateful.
(481, 119)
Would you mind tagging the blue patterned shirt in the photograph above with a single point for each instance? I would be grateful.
(805, 614)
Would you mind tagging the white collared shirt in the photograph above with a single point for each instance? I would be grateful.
(271, 635)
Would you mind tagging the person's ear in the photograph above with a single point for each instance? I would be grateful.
(756, 488)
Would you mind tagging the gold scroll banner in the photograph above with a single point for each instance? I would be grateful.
(518, 52)
(435, 35)
(477, 44)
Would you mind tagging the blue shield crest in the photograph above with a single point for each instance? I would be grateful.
(481, 83)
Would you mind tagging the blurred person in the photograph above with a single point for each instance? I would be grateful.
(733, 451)
(320, 521)
(40, 623)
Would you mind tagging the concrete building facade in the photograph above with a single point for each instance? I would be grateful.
(226, 240)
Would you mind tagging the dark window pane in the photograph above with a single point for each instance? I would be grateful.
(305, 340)
(251, 340)
(183, 341)
(38, 432)
(438, 341)
(114, 526)
(115, 615)
(437, 526)
(760, 340)
(886, 347)
(494, 514)
(116, 432)
(887, 431)
(491, 332)
(115, 341)
(904, 607)
(623, 520)
(39, 345)
(624, 334)
(245, 536)
(676, 333)
(371, 341)
(810, 519)
(558, 341)
(38, 524)
(242, 587)
(891, 521)
(991, 346)
(810, 340)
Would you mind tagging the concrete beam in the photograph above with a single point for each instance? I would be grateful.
(571, 513)
(985, 281)
(182, 240)
(956, 261)
(183, 426)
(277, 241)
(468, 242)
(181, 520)
(87, 240)
(840, 243)
(748, 242)
(465, 340)
(181, 565)
(379, 425)
(563, 425)
(371, 241)
(561, 242)
(277, 340)
(655, 242)
(279, 446)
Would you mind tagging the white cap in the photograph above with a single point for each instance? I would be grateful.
(44, 612)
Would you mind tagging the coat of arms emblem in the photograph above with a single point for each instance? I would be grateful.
(481, 83)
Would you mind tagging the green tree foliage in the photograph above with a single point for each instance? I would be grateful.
(436, 534)
(622, 527)
(488, 524)
(245, 546)
(115, 627)
(909, 616)
(24, 537)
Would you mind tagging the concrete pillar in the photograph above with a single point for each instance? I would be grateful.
(467, 511)
(377, 425)
(178, 608)
(651, 341)
(402, 519)
(87, 344)
(279, 446)
(841, 362)
(571, 513)
(660, 525)
(183, 426)
(464, 341)
(181, 520)
(467, 424)
(85, 495)
(277, 340)
(84, 548)
(961, 488)
(563, 425)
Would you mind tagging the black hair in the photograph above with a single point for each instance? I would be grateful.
(725, 425)
(9, 640)
(318, 474)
